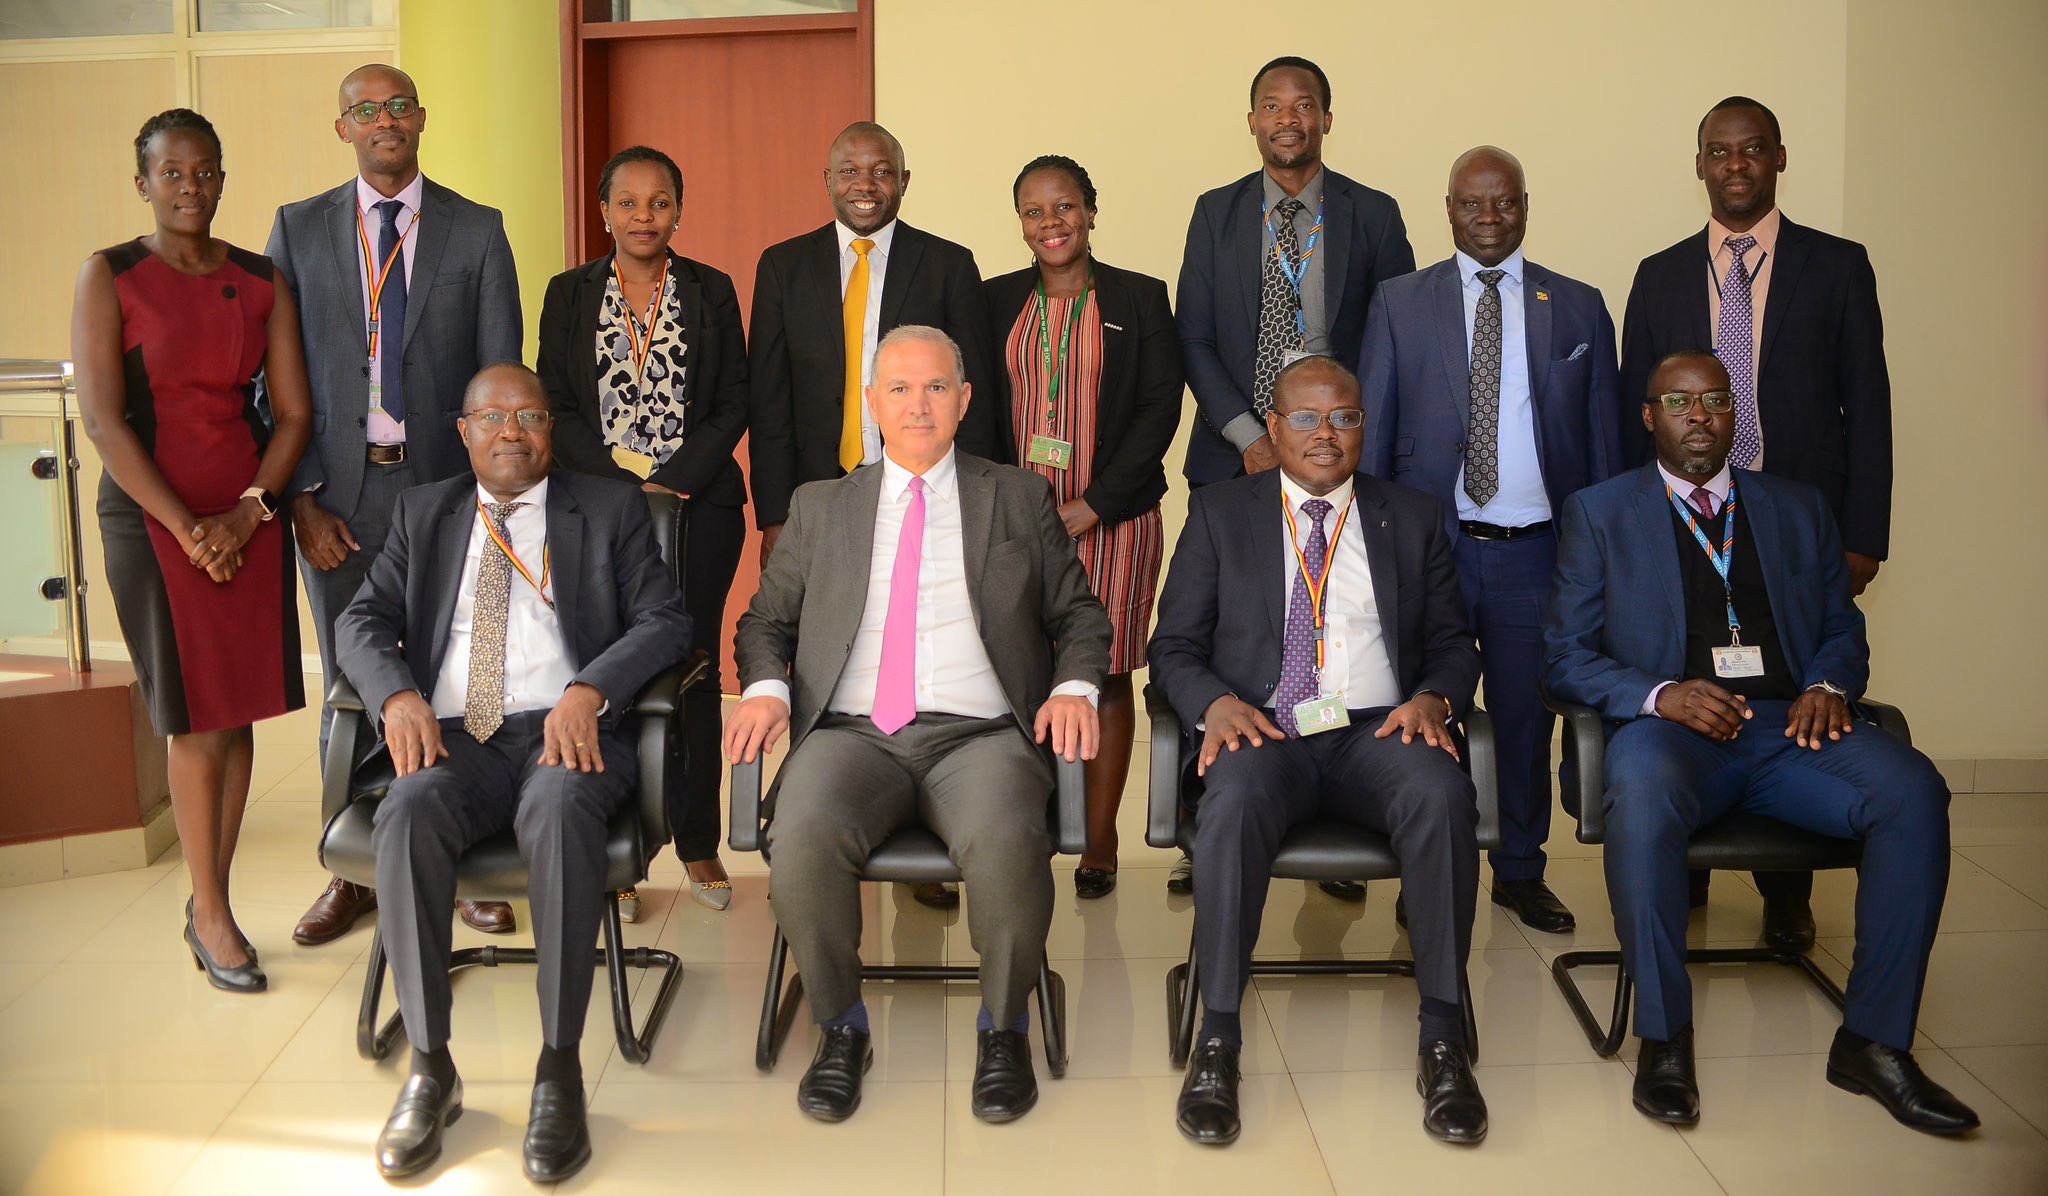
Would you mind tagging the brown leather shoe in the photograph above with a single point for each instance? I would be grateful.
(334, 913)
(491, 917)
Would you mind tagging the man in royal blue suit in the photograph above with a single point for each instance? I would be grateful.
(1490, 384)
(1704, 611)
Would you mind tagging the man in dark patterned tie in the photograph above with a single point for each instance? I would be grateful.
(1312, 638)
(510, 615)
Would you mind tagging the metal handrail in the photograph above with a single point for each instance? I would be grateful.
(21, 383)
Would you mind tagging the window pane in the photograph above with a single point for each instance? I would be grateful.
(680, 10)
(22, 19)
(219, 16)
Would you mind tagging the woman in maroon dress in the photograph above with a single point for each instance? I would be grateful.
(168, 333)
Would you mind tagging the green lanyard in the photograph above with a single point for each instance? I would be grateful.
(1052, 394)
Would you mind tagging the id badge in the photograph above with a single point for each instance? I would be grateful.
(377, 398)
(1047, 451)
(1321, 714)
(1739, 660)
(640, 465)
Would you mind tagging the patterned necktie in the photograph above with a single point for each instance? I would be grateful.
(855, 318)
(1735, 345)
(483, 707)
(896, 681)
(1279, 309)
(1482, 437)
(391, 316)
(1703, 501)
(1299, 680)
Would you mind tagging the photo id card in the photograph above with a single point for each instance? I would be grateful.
(1739, 660)
(1321, 714)
(1045, 450)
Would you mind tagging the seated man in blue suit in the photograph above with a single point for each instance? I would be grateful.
(1705, 613)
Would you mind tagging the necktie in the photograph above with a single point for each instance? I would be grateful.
(1735, 345)
(1482, 437)
(483, 707)
(1298, 678)
(855, 318)
(391, 315)
(1703, 501)
(896, 683)
(1279, 309)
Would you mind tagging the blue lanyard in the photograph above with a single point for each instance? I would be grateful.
(1295, 274)
(1723, 560)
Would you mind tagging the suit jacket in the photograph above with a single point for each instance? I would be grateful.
(1823, 394)
(461, 314)
(1417, 380)
(1616, 627)
(1038, 618)
(1138, 405)
(617, 602)
(1223, 611)
(714, 379)
(1364, 243)
(798, 352)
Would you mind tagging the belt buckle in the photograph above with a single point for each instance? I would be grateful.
(387, 454)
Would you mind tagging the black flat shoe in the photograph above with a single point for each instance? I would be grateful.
(1004, 1086)
(1788, 925)
(1452, 1109)
(411, 1140)
(1180, 878)
(557, 1132)
(1207, 1112)
(1532, 902)
(1091, 883)
(1343, 890)
(830, 1089)
(1666, 1088)
(1893, 1079)
(247, 978)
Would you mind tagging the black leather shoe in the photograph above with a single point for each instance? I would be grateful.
(1343, 890)
(1207, 1112)
(411, 1140)
(1666, 1087)
(1788, 925)
(557, 1132)
(1181, 877)
(936, 895)
(1452, 1109)
(1892, 1078)
(830, 1090)
(1004, 1086)
(1091, 883)
(1697, 882)
(1535, 905)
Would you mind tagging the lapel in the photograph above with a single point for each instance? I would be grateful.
(818, 276)
(1759, 513)
(590, 288)
(348, 266)
(1653, 517)
(1119, 349)
(847, 557)
(906, 249)
(977, 515)
(1793, 249)
(1447, 311)
(1371, 515)
(450, 561)
(1245, 255)
(1697, 262)
(436, 213)
(1263, 535)
(690, 302)
(1336, 244)
(1537, 316)
(566, 531)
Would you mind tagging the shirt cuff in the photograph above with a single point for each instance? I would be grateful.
(770, 688)
(1069, 689)
(1650, 703)
(1245, 431)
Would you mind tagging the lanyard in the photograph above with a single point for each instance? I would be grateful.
(1052, 394)
(1296, 274)
(640, 348)
(1317, 583)
(547, 564)
(1714, 278)
(1723, 560)
(376, 276)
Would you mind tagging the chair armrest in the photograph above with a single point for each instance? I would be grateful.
(1162, 806)
(663, 696)
(351, 727)
(1585, 766)
(1889, 719)
(1070, 796)
(1483, 761)
(743, 819)
(651, 719)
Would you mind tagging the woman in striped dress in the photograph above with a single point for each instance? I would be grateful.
(1092, 367)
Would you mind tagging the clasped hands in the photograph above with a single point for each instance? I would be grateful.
(568, 737)
(214, 543)
(1071, 722)
(1230, 721)
(1818, 717)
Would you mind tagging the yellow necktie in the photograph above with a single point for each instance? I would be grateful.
(855, 314)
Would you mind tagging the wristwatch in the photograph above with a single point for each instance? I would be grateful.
(264, 499)
(1830, 687)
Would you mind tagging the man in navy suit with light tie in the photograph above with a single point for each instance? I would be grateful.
(1704, 611)
(1490, 383)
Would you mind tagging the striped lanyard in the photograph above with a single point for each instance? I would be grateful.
(1724, 560)
(1052, 370)
(641, 348)
(1318, 583)
(547, 562)
(378, 277)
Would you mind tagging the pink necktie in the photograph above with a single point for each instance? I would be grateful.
(1703, 501)
(896, 686)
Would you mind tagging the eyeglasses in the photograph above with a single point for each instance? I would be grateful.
(399, 107)
(1678, 402)
(531, 419)
(1343, 419)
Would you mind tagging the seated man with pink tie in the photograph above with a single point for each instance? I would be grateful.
(925, 632)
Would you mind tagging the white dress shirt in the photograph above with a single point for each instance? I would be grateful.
(871, 328)
(1521, 499)
(1718, 486)
(381, 428)
(537, 663)
(1355, 660)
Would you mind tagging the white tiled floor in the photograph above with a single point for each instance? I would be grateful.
(121, 1072)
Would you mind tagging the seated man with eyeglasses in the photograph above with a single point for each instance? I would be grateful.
(1741, 702)
(512, 614)
(1311, 682)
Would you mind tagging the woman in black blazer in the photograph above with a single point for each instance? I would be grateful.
(645, 364)
(1092, 396)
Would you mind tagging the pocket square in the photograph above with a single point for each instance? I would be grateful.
(1579, 352)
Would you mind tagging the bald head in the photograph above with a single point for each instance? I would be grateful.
(508, 429)
(1488, 204)
(866, 129)
(387, 143)
(378, 72)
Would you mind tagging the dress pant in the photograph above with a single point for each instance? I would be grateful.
(978, 784)
(1507, 590)
(716, 537)
(1665, 781)
(329, 593)
(560, 816)
(1413, 793)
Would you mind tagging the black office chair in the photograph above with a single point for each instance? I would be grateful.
(912, 855)
(1320, 849)
(1740, 842)
(492, 870)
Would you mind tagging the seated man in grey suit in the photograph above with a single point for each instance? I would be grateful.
(914, 615)
(1319, 682)
(511, 615)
